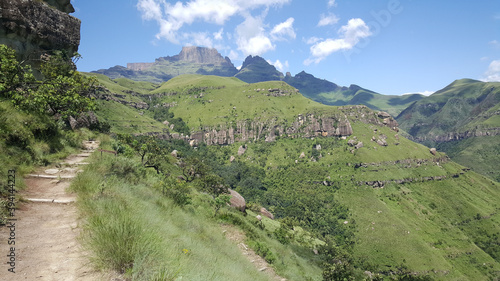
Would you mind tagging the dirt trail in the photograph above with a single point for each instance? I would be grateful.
(238, 237)
(46, 230)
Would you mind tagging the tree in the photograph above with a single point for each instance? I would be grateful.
(61, 92)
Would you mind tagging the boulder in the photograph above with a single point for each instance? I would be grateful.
(382, 142)
(265, 212)
(174, 153)
(241, 150)
(433, 151)
(359, 145)
(237, 201)
(72, 122)
(383, 114)
(302, 155)
(232, 158)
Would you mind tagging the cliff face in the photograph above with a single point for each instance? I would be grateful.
(33, 27)
(304, 126)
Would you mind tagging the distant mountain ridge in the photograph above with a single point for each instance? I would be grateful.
(191, 60)
(255, 69)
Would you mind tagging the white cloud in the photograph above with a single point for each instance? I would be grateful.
(172, 17)
(284, 30)
(251, 37)
(218, 35)
(495, 44)
(350, 35)
(331, 3)
(331, 19)
(257, 45)
(425, 93)
(199, 39)
(279, 65)
(493, 72)
(150, 9)
(312, 40)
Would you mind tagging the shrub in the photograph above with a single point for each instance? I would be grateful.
(262, 250)
(176, 190)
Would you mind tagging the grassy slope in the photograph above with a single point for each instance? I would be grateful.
(465, 105)
(237, 100)
(425, 226)
(478, 153)
(130, 223)
(428, 227)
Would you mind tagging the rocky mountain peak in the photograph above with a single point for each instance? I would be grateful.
(201, 55)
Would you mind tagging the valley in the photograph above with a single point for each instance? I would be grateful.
(197, 169)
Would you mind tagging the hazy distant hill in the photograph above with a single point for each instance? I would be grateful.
(463, 119)
(326, 92)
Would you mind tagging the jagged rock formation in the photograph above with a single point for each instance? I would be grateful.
(34, 27)
(190, 54)
(305, 125)
(191, 60)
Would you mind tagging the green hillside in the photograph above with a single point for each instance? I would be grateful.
(329, 93)
(383, 203)
(463, 120)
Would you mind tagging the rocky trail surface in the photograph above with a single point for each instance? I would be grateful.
(238, 237)
(46, 227)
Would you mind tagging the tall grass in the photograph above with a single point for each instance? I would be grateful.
(133, 229)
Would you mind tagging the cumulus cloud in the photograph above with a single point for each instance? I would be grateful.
(251, 37)
(493, 72)
(172, 17)
(284, 30)
(330, 19)
(350, 35)
(279, 65)
(331, 3)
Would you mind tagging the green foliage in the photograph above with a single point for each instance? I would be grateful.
(220, 201)
(263, 250)
(177, 190)
(61, 92)
(337, 265)
(163, 114)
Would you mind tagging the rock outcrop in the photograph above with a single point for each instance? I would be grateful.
(304, 126)
(35, 27)
(193, 55)
(237, 201)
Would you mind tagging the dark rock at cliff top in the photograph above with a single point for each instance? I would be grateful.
(35, 27)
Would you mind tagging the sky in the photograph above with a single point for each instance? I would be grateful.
(387, 46)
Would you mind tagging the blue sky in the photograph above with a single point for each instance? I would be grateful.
(388, 46)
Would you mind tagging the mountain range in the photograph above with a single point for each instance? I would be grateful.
(458, 119)
(208, 61)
